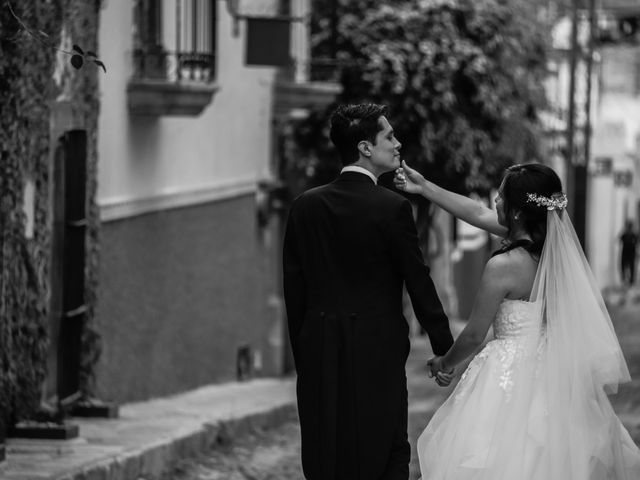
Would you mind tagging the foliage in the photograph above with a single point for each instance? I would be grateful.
(343, 13)
(462, 80)
(28, 90)
(24, 142)
(308, 156)
(77, 56)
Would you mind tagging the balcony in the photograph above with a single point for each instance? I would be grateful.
(176, 80)
(319, 91)
(171, 83)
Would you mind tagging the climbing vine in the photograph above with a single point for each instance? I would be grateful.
(33, 35)
(77, 56)
(26, 88)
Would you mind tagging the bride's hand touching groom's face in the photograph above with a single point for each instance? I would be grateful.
(407, 179)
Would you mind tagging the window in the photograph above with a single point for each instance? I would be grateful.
(175, 40)
(174, 57)
(196, 39)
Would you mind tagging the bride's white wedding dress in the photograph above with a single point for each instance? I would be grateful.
(497, 423)
(533, 405)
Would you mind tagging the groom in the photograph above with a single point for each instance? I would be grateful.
(349, 247)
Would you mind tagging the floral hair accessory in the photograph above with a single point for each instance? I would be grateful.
(558, 201)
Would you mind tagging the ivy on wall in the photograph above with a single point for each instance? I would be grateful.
(30, 83)
(26, 88)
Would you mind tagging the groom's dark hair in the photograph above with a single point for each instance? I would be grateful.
(351, 124)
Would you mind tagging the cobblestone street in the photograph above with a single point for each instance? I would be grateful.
(275, 453)
(272, 454)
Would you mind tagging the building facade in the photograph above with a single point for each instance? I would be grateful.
(189, 288)
(612, 183)
(615, 171)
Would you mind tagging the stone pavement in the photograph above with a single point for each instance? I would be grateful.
(149, 437)
(624, 307)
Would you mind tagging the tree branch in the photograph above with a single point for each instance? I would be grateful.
(77, 55)
(30, 32)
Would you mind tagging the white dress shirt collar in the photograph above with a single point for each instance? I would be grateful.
(356, 168)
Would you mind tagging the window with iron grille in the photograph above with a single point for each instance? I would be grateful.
(175, 40)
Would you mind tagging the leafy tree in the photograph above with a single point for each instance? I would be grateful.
(462, 79)
(329, 20)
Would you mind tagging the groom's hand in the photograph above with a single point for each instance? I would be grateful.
(434, 365)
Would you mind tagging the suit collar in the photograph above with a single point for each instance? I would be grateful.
(355, 173)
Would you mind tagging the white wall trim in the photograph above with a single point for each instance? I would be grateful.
(125, 207)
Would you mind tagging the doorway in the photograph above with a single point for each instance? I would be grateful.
(68, 307)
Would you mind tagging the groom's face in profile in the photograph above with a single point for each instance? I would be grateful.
(385, 153)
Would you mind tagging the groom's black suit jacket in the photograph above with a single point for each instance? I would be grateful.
(349, 247)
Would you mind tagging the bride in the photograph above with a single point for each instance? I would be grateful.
(532, 405)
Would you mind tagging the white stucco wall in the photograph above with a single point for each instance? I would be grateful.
(160, 161)
(623, 109)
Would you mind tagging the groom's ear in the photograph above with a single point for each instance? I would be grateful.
(364, 147)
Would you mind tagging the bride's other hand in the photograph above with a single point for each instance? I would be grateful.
(444, 379)
(408, 180)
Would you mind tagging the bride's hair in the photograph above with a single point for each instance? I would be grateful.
(519, 181)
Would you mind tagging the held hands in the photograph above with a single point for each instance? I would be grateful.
(408, 180)
(436, 369)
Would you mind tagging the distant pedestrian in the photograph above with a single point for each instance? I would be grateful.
(629, 239)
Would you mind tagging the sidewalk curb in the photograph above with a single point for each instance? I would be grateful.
(149, 437)
(152, 461)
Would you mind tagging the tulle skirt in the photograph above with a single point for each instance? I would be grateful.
(506, 420)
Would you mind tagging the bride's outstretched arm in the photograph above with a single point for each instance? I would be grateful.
(497, 279)
(471, 211)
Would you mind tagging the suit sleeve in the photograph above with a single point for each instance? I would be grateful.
(293, 281)
(424, 297)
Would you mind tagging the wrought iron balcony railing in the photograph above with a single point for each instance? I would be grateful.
(160, 64)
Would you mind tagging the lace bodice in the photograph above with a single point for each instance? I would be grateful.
(518, 335)
(516, 319)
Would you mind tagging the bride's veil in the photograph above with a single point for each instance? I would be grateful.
(582, 362)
